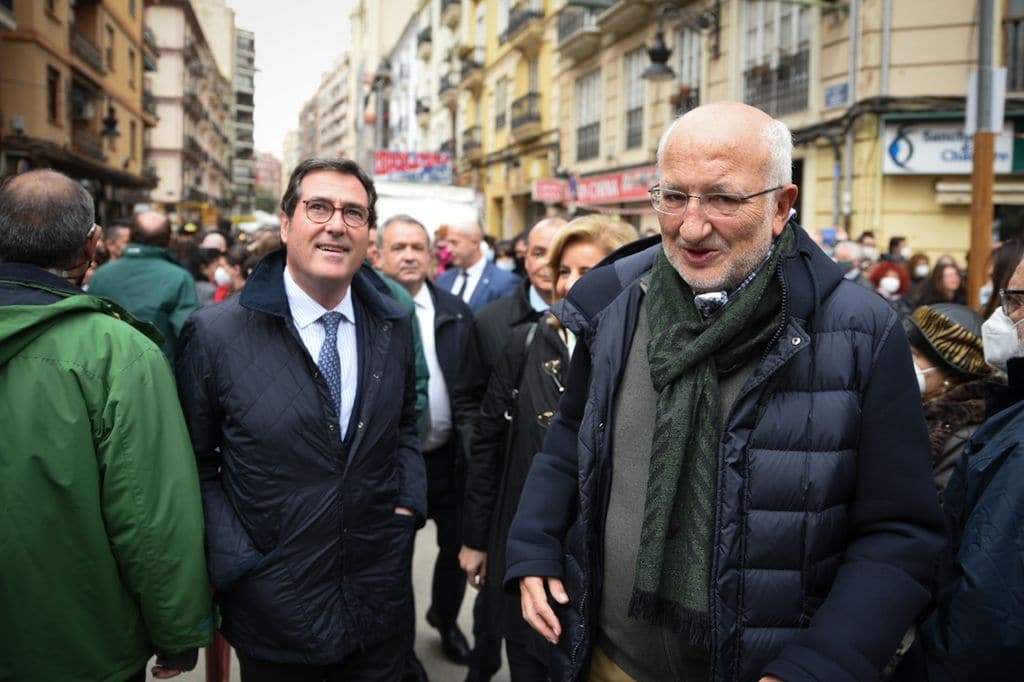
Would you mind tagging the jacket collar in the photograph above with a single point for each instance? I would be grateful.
(133, 250)
(264, 290)
(520, 308)
(35, 276)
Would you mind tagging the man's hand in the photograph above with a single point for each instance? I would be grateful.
(474, 563)
(404, 511)
(536, 610)
(162, 673)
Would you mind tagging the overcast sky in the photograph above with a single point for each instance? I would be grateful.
(296, 41)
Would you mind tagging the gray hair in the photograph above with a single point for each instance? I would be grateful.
(852, 250)
(45, 219)
(400, 218)
(777, 138)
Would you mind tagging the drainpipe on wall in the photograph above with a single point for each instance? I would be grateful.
(886, 33)
(852, 79)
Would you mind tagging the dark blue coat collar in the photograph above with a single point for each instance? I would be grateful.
(264, 290)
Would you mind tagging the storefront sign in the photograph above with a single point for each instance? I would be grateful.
(413, 167)
(549, 191)
(938, 148)
(616, 188)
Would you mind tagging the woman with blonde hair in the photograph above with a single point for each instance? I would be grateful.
(521, 400)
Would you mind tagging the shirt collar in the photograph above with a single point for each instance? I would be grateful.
(536, 302)
(477, 268)
(305, 311)
(422, 298)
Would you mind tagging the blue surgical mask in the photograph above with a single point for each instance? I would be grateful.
(506, 265)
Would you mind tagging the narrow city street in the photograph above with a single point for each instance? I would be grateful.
(428, 645)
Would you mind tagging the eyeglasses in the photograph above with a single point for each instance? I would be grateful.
(1012, 302)
(715, 205)
(321, 211)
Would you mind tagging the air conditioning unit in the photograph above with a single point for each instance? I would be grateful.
(82, 111)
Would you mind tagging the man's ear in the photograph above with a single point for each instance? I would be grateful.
(784, 202)
(91, 242)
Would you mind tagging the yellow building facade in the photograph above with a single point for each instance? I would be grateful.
(73, 96)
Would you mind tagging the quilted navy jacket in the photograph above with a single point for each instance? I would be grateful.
(827, 524)
(309, 560)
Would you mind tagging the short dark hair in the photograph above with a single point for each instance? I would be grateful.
(866, 234)
(45, 219)
(344, 166)
(110, 231)
(400, 218)
(894, 243)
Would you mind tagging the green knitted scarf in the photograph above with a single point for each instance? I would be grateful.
(687, 353)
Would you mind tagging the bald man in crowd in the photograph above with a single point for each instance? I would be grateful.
(473, 278)
(149, 281)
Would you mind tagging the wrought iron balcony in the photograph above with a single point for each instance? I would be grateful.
(526, 117)
(88, 52)
(472, 142)
(780, 89)
(149, 103)
(88, 143)
(578, 35)
(526, 14)
(149, 40)
(451, 13)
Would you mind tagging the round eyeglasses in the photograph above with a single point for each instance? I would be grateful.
(1012, 301)
(321, 211)
(715, 204)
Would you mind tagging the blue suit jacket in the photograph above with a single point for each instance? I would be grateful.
(494, 283)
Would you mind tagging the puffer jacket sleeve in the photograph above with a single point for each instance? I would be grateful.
(230, 551)
(151, 503)
(895, 533)
(489, 443)
(411, 467)
(550, 495)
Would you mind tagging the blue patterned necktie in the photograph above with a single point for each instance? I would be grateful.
(330, 364)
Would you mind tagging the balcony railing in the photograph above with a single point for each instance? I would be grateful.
(520, 15)
(1014, 41)
(447, 83)
(424, 36)
(88, 142)
(588, 141)
(90, 54)
(149, 103)
(781, 89)
(472, 61)
(472, 139)
(573, 19)
(499, 120)
(422, 106)
(149, 39)
(526, 109)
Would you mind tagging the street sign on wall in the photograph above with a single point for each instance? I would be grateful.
(613, 188)
(401, 166)
(549, 191)
(938, 148)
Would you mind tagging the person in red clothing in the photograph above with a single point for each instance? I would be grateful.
(231, 273)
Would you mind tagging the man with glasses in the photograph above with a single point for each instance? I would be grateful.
(300, 398)
(738, 483)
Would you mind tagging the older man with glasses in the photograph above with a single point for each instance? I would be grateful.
(737, 485)
(299, 396)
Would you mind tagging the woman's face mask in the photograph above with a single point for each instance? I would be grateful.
(1000, 338)
(921, 271)
(890, 284)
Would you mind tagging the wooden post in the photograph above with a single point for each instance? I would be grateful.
(982, 214)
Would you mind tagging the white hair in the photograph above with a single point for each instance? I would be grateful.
(778, 139)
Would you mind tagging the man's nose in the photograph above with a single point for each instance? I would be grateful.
(695, 225)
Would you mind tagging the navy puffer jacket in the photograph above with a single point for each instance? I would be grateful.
(309, 560)
(827, 523)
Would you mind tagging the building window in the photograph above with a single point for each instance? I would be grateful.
(500, 103)
(533, 73)
(503, 11)
(776, 57)
(110, 47)
(588, 116)
(481, 27)
(1013, 38)
(634, 64)
(688, 51)
(132, 141)
(53, 93)
(131, 68)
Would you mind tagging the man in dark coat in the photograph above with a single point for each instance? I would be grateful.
(737, 486)
(444, 323)
(300, 399)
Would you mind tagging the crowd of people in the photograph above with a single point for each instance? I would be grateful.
(722, 452)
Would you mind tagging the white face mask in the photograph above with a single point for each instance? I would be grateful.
(905, 252)
(921, 271)
(221, 276)
(1000, 339)
(870, 252)
(506, 265)
(920, 376)
(890, 284)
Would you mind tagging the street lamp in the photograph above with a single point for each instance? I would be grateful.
(381, 80)
(704, 20)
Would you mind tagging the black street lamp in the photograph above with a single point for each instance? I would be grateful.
(705, 20)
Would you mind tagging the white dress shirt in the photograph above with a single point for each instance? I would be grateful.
(439, 426)
(306, 314)
(473, 274)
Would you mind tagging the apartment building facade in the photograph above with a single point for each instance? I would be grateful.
(243, 164)
(74, 96)
(191, 148)
(335, 120)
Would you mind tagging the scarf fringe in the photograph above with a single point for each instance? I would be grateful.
(656, 610)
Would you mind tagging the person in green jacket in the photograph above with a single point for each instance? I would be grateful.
(101, 530)
(149, 281)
